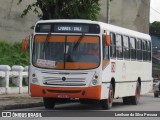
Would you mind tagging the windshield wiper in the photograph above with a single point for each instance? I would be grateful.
(46, 41)
(78, 42)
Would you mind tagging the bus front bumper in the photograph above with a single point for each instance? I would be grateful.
(93, 92)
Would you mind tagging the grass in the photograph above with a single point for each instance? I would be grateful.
(11, 54)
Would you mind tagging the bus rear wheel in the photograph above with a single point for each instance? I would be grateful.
(155, 94)
(49, 103)
(126, 100)
(107, 103)
(135, 99)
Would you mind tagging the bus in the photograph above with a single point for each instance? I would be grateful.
(62, 68)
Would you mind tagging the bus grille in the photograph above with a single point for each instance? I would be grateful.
(64, 82)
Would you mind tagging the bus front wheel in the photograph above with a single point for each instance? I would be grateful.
(49, 103)
(107, 103)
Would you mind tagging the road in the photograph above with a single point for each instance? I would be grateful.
(77, 111)
(147, 103)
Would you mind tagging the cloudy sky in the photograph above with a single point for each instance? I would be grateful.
(155, 10)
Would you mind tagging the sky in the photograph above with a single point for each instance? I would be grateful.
(155, 11)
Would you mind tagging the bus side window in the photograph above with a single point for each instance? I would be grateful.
(139, 49)
(149, 51)
(105, 48)
(133, 48)
(147, 46)
(144, 50)
(113, 45)
(126, 51)
(119, 49)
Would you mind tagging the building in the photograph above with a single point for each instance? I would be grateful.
(12, 26)
(132, 14)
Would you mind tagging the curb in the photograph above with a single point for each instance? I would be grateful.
(20, 106)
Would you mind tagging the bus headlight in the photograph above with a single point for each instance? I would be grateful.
(34, 80)
(94, 82)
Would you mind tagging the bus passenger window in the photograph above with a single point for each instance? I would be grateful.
(139, 49)
(126, 50)
(119, 50)
(147, 57)
(133, 48)
(149, 51)
(144, 50)
(113, 45)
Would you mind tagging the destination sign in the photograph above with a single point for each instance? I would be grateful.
(64, 28)
(67, 28)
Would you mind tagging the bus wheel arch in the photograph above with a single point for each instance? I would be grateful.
(135, 99)
(113, 86)
(139, 80)
(107, 103)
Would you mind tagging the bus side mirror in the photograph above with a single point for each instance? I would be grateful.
(108, 40)
(25, 44)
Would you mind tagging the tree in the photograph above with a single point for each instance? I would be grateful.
(64, 9)
(155, 29)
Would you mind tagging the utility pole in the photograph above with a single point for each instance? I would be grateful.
(108, 11)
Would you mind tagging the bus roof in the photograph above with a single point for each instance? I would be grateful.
(104, 26)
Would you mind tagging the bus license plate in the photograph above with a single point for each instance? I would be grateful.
(63, 96)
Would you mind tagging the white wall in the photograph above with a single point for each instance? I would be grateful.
(12, 26)
(132, 14)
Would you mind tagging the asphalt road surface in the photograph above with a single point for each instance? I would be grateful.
(147, 104)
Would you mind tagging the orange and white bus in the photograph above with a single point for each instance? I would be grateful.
(62, 68)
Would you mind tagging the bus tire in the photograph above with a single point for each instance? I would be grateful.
(126, 100)
(49, 103)
(107, 103)
(82, 101)
(135, 99)
(155, 94)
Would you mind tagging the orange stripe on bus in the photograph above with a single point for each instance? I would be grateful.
(77, 65)
(42, 38)
(86, 39)
(104, 64)
(43, 91)
(72, 65)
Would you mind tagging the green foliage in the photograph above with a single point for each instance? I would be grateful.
(11, 54)
(155, 29)
(11, 84)
(64, 9)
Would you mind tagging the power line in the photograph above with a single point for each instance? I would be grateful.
(151, 8)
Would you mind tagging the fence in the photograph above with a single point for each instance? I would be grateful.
(17, 76)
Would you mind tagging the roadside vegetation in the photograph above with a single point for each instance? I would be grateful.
(11, 54)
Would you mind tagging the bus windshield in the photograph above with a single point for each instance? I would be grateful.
(66, 52)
